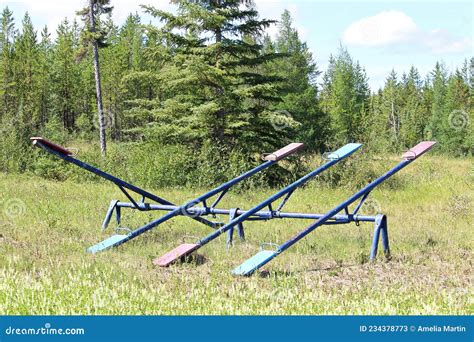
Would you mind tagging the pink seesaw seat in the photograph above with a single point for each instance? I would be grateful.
(175, 254)
(283, 152)
(418, 150)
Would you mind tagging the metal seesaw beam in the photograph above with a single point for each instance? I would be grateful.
(186, 249)
(265, 256)
(66, 155)
(117, 239)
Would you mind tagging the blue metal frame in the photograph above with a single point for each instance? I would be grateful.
(262, 215)
(117, 239)
(381, 228)
(238, 216)
(341, 154)
(179, 210)
(263, 257)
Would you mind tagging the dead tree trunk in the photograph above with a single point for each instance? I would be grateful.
(98, 86)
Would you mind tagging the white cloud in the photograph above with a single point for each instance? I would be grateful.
(398, 30)
(385, 28)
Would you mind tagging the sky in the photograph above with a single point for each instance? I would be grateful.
(381, 35)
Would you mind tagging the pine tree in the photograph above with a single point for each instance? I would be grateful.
(112, 73)
(413, 119)
(131, 44)
(85, 100)
(138, 70)
(143, 54)
(65, 75)
(391, 108)
(45, 59)
(26, 70)
(438, 84)
(377, 132)
(457, 116)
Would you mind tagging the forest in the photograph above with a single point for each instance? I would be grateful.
(206, 89)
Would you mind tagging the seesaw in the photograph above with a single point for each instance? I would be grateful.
(141, 205)
(265, 256)
(198, 208)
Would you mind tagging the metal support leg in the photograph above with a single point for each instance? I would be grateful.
(118, 215)
(108, 216)
(240, 231)
(380, 227)
(240, 228)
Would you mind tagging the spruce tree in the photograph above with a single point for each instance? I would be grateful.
(413, 119)
(457, 119)
(438, 84)
(131, 44)
(7, 85)
(298, 73)
(214, 88)
(345, 97)
(45, 59)
(65, 76)
(112, 73)
(391, 106)
(26, 72)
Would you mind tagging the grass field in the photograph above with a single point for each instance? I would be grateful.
(46, 226)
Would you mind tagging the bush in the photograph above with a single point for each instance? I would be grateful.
(152, 165)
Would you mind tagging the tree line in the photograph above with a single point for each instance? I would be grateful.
(210, 79)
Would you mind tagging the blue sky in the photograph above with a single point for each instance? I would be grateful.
(380, 34)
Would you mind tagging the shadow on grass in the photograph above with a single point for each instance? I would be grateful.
(195, 259)
(331, 269)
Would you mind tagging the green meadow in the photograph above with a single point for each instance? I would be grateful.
(46, 226)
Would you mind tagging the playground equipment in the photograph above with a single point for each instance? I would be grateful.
(198, 208)
(264, 256)
(185, 249)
